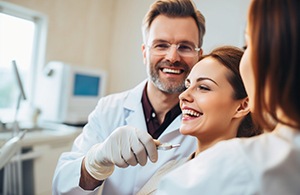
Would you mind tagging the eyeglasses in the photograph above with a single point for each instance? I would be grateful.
(183, 49)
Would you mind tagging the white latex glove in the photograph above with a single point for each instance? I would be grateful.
(125, 146)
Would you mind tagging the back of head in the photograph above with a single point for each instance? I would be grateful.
(230, 57)
(174, 8)
(274, 27)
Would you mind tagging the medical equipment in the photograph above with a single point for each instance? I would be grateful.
(67, 93)
(167, 146)
(10, 148)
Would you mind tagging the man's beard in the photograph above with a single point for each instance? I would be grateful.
(168, 86)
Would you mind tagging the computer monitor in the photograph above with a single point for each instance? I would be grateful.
(68, 94)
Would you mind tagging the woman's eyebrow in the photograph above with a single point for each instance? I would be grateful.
(206, 78)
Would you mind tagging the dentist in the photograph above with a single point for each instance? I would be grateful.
(111, 154)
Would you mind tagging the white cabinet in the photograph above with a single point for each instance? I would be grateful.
(40, 152)
(44, 165)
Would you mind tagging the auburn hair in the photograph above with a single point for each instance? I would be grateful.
(230, 57)
(274, 28)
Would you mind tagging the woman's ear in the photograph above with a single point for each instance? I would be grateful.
(243, 108)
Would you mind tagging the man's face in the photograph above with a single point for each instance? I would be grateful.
(168, 71)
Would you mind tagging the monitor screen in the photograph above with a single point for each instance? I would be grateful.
(86, 85)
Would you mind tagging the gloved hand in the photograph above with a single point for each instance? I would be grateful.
(125, 146)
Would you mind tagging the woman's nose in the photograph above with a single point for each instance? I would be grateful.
(186, 96)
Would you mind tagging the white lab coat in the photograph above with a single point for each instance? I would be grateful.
(268, 164)
(150, 187)
(111, 112)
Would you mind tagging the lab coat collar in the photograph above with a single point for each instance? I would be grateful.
(133, 101)
(133, 107)
(172, 130)
(135, 116)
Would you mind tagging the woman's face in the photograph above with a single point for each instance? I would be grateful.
(207, 104)
(246, 70)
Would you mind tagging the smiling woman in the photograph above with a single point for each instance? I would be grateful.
(269, 163)
(214, 105)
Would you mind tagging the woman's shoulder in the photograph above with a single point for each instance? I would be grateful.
(240, 166)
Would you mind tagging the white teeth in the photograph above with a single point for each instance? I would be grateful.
(167, 70)
(191, 113)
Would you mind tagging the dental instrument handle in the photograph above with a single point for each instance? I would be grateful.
(167, 146)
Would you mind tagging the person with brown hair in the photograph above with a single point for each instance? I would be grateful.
(270, 69)
(113, 149)
(214, 106)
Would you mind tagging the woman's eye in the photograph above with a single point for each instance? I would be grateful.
(203, 87)
(244, 47)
